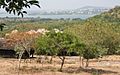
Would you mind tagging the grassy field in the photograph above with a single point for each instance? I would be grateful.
(108, 65)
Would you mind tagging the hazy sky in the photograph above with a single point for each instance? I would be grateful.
(72, 4)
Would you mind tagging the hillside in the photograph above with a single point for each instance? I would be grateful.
(113, 15)
(102, 30)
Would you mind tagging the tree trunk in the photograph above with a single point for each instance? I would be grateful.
(81, 61)
(87, 63)
(63, 60)
(51, 59)
(32, 55)
(20, 56)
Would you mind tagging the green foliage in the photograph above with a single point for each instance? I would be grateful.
(30, 25)
(44, 46)
(102, 31)
(104, 35)
(54, 42)
(90, 53)
(17, 6)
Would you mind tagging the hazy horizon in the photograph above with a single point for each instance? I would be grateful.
(53, 5)
(73, 4)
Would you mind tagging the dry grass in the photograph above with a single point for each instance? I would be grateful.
(109, 65)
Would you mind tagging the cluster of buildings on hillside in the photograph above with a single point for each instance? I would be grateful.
(88, 10)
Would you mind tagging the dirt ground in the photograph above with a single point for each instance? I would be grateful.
(108, 65)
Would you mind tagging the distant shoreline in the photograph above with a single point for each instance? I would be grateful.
(67, 16)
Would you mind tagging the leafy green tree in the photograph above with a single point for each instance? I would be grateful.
(56, 43)
(91, 52)
(45, 46)
(77, 47)
(17, 6)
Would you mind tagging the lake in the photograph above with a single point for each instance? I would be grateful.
(62, 16)
(52, 16)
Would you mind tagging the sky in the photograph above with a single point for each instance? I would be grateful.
(73, 4)
(54, 5)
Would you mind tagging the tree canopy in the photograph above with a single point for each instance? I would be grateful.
(17, 6)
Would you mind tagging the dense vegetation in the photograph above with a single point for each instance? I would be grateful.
(34, 25)
(100, 31)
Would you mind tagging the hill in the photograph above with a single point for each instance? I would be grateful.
(102, 30)
(113, 15)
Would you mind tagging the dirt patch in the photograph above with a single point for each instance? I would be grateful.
(109, 65)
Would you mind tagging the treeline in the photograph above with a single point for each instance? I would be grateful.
(34, 25)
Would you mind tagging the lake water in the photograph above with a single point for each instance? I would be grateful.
(51, 16)
(63, 16)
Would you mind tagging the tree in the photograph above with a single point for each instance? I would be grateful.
(17, 6)
(93, 51)
(2, 26)
(90, 53)
(56, 43)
